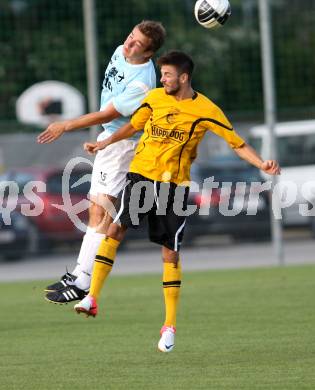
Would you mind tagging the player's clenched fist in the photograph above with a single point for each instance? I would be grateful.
(271, 167)
(89, 147)
(93, 147)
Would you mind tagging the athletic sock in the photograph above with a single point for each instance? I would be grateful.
(90, 243)
(171, 288)
(84, 278)
(104, 261)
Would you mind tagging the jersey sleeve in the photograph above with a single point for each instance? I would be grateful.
(130, 99)
(142, 115)
(220, 125)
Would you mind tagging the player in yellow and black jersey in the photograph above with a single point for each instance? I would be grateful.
(175, 119)
(172, 131)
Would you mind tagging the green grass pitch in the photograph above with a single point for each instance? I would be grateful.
(237, 329)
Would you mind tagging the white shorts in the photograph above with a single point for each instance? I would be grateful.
(110, 168)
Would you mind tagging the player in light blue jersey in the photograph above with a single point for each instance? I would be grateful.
(128, 77)
(124, 84)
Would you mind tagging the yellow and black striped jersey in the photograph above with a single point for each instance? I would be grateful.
(172, 131)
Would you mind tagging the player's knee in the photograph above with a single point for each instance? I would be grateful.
(169, 256)
(116, 231)
(96, 214)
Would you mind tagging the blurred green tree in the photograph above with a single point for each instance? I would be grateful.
(43, 40)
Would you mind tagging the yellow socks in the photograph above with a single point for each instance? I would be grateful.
(104, 261)
(171, 288)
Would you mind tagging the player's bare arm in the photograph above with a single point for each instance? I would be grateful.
(124, 132)
(247, 153)
(57, 129)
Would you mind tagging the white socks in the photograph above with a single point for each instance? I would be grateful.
(83, 270)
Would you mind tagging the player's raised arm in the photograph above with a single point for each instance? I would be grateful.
(249, 154)
(124, 132)
(57, 129)
(137, 123)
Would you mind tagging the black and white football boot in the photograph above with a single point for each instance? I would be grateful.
(66, 295)
(66, 280)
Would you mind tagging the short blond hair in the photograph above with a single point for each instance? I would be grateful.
(154, 31)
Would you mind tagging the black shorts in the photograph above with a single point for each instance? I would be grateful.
(164, 204)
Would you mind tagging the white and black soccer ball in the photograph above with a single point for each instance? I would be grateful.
(212, 13)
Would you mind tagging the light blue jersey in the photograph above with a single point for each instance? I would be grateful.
(125, 86)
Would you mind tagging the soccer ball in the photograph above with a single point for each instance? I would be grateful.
(212, 13)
